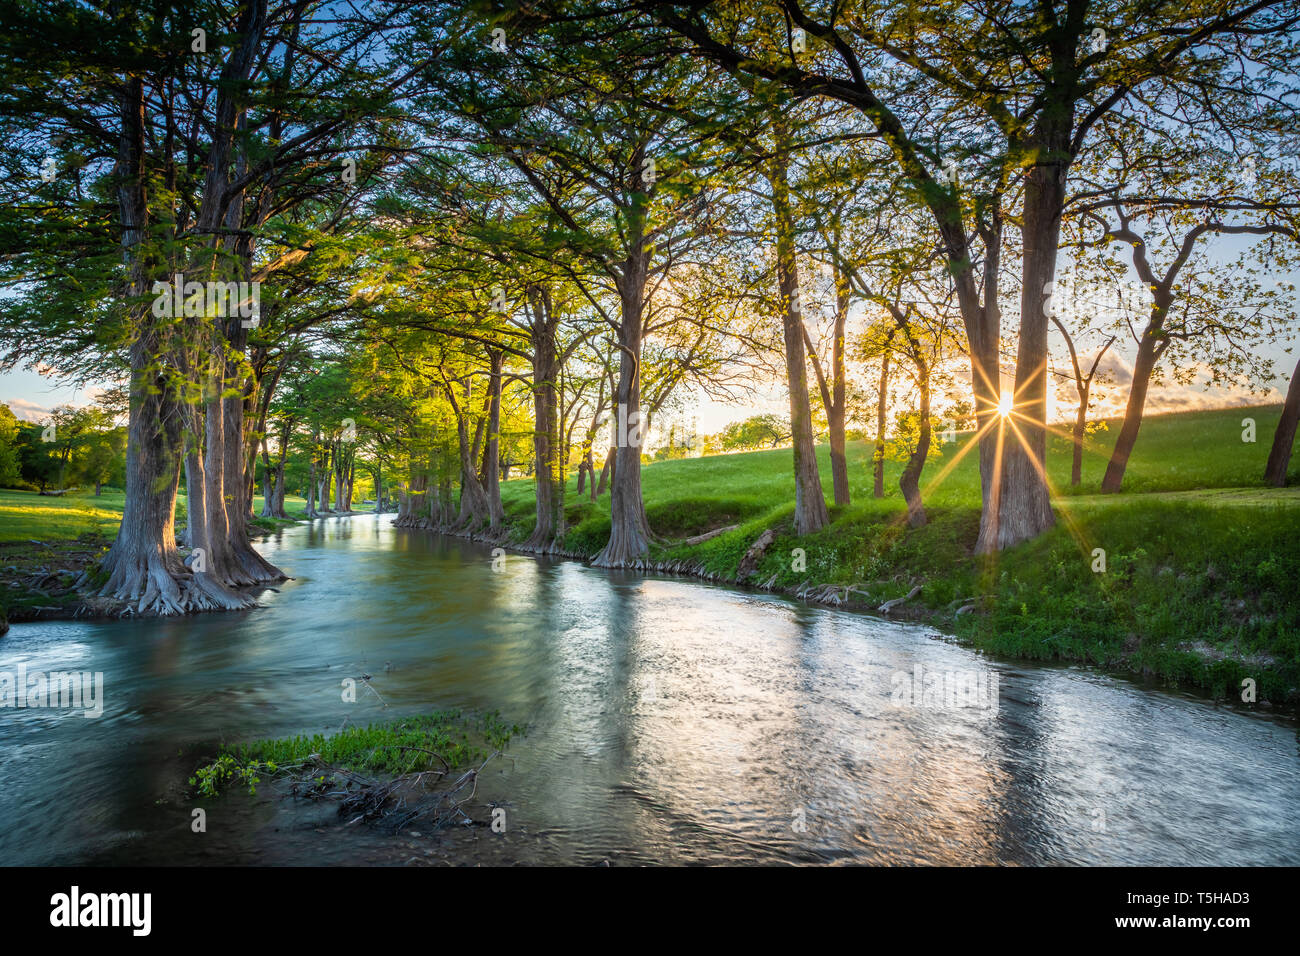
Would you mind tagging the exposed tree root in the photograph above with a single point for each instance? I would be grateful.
(252, 567)
(158, 587)
(749, 563)
(389, 804)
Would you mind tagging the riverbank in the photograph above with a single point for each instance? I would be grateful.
(1187, 593)
(422, 768)
(1187, 578)
(46, 544)
(37, 577)
(1190, 580)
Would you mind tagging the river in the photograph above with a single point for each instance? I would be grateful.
(669, 721)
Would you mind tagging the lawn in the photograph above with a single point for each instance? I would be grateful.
(27, 516)
(1181, 452)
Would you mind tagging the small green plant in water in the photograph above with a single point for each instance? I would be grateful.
(209, 781)
(444, 739)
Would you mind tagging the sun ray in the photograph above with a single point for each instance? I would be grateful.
(961, 453)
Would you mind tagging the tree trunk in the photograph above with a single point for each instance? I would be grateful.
(222, 535)
(340, 482)
(910, 480)
(839, 455)
(605, 471)
(1080, 429)
(629, 531)
(882, 400)
(1128, 432)
(268, 482)
(1021, 507)
(278, 510)
(143, 568)
(193, 486)
(836, 408)
(1279, 455)
(810, 512)
(323, 492)
(216, 520)
(549, 475)
(403, 506)
(311, 511)
(473, 499)
(476, 446)
(247, 565)
(983, 331)
(412, 501)
(492, 450)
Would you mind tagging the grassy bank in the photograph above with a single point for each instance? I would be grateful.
(28, 516)
(417, 769)
(444, 741)
(46, 541)
(1199, 581)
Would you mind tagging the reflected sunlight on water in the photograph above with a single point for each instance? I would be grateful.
(669, 721)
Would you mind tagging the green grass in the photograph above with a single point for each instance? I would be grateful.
(1202, 558)
(1175, 453)
(441, 740)
(25, 515)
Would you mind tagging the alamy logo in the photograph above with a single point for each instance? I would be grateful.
(945, 690)
(629, 433)
(218, 299)
(102, 909)
(70, 689)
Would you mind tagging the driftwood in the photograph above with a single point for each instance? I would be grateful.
(701, 538)
(890, 605)
(389, 804)
(749, 563)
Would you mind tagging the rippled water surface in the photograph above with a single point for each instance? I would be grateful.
(668, 721)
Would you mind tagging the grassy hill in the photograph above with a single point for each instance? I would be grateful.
(1188, 456)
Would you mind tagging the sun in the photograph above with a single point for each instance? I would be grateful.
(1005, 404)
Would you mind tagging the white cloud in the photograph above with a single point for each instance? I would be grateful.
(26, 411)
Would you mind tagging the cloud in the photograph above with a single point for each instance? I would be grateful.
(1113, 366)
(26, 411)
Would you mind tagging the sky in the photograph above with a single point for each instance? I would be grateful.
(31, 396)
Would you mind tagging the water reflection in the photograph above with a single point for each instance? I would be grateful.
(670, 721)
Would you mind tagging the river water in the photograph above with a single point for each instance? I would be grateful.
(669, 721)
